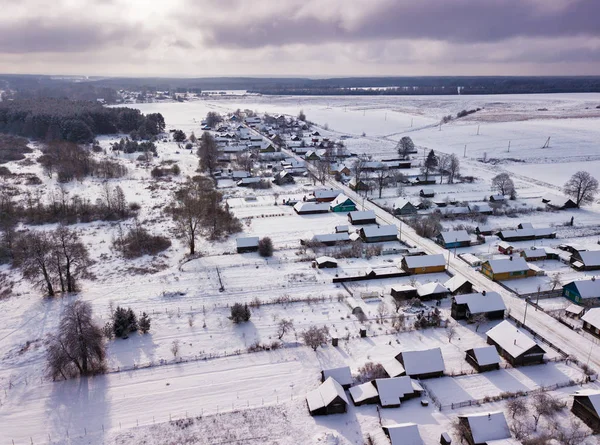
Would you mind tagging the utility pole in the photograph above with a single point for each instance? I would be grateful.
(465, 152)
(525, 315)
(411, 122)
(508, 149)
(477, 130)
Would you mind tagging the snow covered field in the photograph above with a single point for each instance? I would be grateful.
(216, 374)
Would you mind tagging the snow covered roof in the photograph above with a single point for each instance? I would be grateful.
(311, 207)
(239, 174)
(431, 289)
(455, 236)
(423, 362)
(486, 355)
(360, 393)
(588, 288)
(404, 434)
(340, 199)
(479, 207)
(556, 201)
(342, 228)
(456, 210)
(533, 252)
(249, 181)
(403, 288)
(508, 265)
(325, 259)
(361, 215)
(400, 203)
(250, 241)
(487, 426)
(393, 389)
(425, 261)
(593, 395)
(326, 393)
(574, 309)
(393, 368)
(326, 194)
(497, 197)
(479, 303)
(374, 231)
(511, 339)
(455, 282)
(590, 257)
(331, 237)
(341, 375)
(528, 232)
(592, 316)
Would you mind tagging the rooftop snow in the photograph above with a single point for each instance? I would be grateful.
(414, 262)
(325, 259)
(326, 194)
(588, 288)
(508, 265)
(361, 215)
(488, 426)
(593, 395)
(360, 393)
(455, 282)
(341, 375)
(393, 389)
(331, 237)
(311, 207)
(250, 241)
(431, 289)
(590, 257)
(393, 368)
(479, 303)
(371, 232)
(404, 434)
(511, 339)
(340, 199)
(423, 362)
(325, 394)
(455, 236)
(592, 316)
(486, 355)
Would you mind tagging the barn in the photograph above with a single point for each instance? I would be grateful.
(426, 193)
(362, 217)
(484, 358)
(483, 428)
(247, 244)
(586, 406)
(328, 398)
(364, 394)
(516, 347)
(379, 234)
(326, 262)
(458, 285)
(422, 364)
(489, 304)
(424, 264)
(403, 292)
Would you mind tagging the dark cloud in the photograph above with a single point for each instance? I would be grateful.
(457, 21)
(41, 36)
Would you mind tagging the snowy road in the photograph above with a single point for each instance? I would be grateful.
(112, 401)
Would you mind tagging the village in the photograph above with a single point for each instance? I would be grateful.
(403, 297)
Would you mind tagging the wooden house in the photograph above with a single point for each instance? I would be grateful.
(403, 292)
(516, 347)
(591, 321)
(422, 264)
(558, 202)
(422, 364)
(358, 185)
(364, 394)
(362, 217)
(326, 195)
(586, 406)
(534, 254)
(489, 304)
(526, 233)
(484, 230)
(403, 206)
(506, 248)
(454, 239)
(582, 291)
(375, 234)
(328, 398)
(247, 244)
(393, 391)
(586, 260)
(432, 291)
(507, 269)
(325, 262)
(283, 178)
(484, 358)
(308, 208)
(484, 428)
(249, 182)
(341, 375)
(458, 285)
(342, 204)
(426, 193)
(498, 198)
(403, 434)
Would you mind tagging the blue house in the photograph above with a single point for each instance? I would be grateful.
(582, 290)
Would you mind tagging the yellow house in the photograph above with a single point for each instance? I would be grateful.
(506, 269)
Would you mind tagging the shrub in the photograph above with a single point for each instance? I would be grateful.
(240, 313)
(144, 323)
(124, 322)
(370, 371)
(138, 242)
(265, 247)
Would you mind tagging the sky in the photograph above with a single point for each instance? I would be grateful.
(316, 38)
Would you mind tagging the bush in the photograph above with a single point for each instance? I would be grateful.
(124, 321)
(138, 242)
(240, 313)
(370, 371)
(144, 323)
(265, 247)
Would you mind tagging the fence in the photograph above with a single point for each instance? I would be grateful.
(538, 336)
(543, 294)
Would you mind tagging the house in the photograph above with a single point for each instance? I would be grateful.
(582, 290)
(458, 285)
(591, 321)
(574, 311)
(308, 208)
(393, 368)
(558, 202)
(312, 155)
(341, 228)
(403, 292)
(586, 406)
(239, 174)
(379, 234)
(497, 198)
(454, 211)
(481, 207)
(516, 347)
(526, 233)
(403, 206)
(328, 398)
(282, 178)
(586, 260)
(326, 262)
(485, 303)
(362, 217)
(506, 269)
(247, 244)
(506, 248)
(484, 230)
(364, 394)
(331, 239)
(534, 254)
(403, 434)
(341, 375)
(249, 182)
(358, 185)
(432, 291)
(424, 264)
(342, 204)
(326, 195)
(484, 358)
(454, 239)
(426, 193)
(339, 169)
(394, 390)
(482, 428)
(422, 364)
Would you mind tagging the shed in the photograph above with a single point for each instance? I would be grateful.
(379, 234)
(364, 394)
(489, 304)
(326, 195)
(586, 260)
(516, 347)
(586, 406)
(506, 269)
(392, 391)
(328, 398)
(403, 206)
(525, 233)
(308, 208)
(497, 198)
(341, 229)
(424, 264)
(482, 428)
(482, 208)
(284, 177)
(582, 290)
(326, 262)
(574, 311)
(342, 204)
(484, 358)
(403, 434)
(534, 254)
(362, 217)
(453, 239)
(247, 244)
(483, 229)
(331, 239)
(422, 364)
(403, 292)
(432, 291)
(341, 375)
(248, 182)
(558, 202)
(591, 321)
(458, 285)
(358, 185)
(426, 193)
(506, 248)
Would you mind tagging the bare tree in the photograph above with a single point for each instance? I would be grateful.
(443, 166)
(382, 311)
(189, 213)
(283, 327)
(503, 184)
(322, 171)
(78, 347)
(478, 320)
(516, 407)
(582, 187)
(33, 254)
(574, 434)
(453, 168)
(405, 147)
(556, 281)
(381, 178)
(545, 405)
(315, 336)
(450, 332)
(208, 153)
(175, 348)
(72, 257)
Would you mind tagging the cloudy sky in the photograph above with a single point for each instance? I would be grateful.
(300, 37)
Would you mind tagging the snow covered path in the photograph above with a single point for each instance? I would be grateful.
(123, 399)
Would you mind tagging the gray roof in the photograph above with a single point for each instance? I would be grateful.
(423, 362)
(511, 339)
(590, 257)
(250, 241)
(587, 288)
(486, 355)
(341, 375)
(455, 236)
(362, 215)
(380, 231)
(592, 316)
(331, 237)
(404, 434)
(425, 261)
(480, 304)
(508, 265)
(486, 427)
